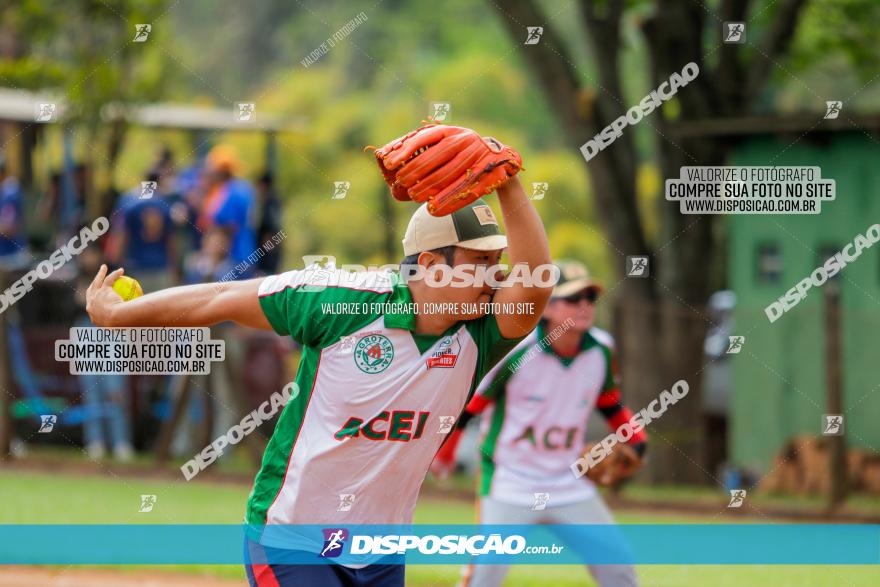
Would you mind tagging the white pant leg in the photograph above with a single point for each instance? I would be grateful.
(495, 512)
(594, 511)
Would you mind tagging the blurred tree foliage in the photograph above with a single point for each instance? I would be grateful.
(377, 83)
(374, 85)
(82, 52)
(370, 87)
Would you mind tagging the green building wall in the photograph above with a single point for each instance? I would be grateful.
(778, 382)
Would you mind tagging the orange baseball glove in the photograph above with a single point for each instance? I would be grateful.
(446, 166)
(621, 464)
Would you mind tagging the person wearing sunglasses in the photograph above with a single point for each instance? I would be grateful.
(535, 405)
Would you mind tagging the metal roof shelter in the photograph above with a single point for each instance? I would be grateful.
(202, 120)
(21, 109)
(22, 106)
(187, 117)
(802, 123)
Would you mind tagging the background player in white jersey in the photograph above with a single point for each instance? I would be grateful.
(535, 406)
(375, 385)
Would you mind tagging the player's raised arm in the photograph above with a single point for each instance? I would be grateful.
(189, 305)
(450, 167)
(526, 243)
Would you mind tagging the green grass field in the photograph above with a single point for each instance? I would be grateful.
(38, 498)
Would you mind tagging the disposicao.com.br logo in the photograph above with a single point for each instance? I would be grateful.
(449, 544)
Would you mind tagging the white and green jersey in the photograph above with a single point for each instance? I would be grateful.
(354, 445)
(536, 425)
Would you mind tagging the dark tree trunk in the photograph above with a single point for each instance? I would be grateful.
(660, 322)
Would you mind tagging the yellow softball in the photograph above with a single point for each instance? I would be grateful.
(127, 288)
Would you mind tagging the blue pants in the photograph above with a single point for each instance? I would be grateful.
(106, 401)
(317, 575)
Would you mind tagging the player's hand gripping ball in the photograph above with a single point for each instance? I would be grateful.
(446, 166)
(127, 288)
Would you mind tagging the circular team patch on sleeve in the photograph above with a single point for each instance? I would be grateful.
(373, 353)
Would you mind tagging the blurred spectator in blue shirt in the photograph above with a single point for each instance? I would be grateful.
(228, 203)
(145, 233)
(12, 239)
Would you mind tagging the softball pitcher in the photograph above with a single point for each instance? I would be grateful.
(354, 445)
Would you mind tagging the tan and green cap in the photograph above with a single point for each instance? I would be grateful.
(573, 278)
(471, 227)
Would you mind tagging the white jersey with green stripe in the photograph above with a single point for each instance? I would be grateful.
(536, 426)
(354, 445)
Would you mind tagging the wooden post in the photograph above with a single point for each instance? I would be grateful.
(5, 382)
(253, 442)
(392, 251)
(180, 392)
(271, 163)
(834, 390)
